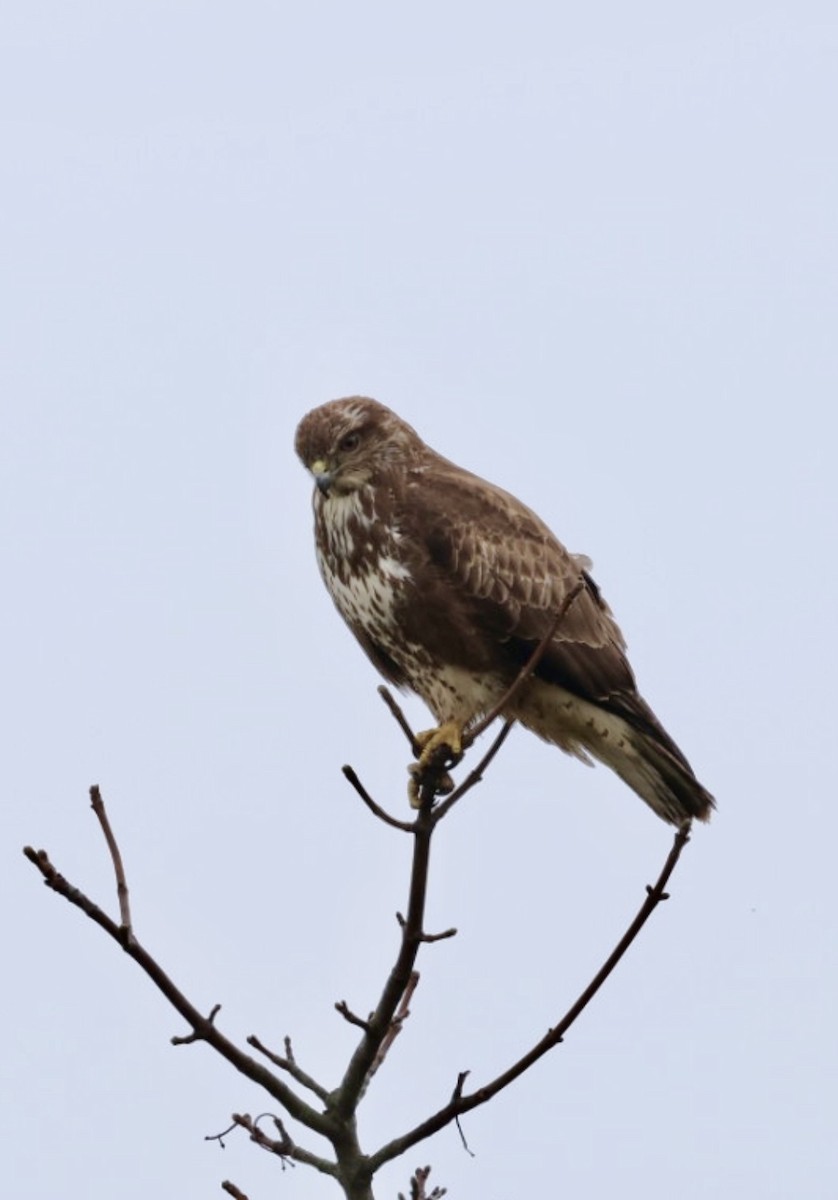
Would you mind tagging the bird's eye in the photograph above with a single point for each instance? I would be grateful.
(350, 442)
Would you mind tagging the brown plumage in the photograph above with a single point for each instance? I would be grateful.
(449, 583)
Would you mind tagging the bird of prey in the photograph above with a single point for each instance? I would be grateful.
(450, 583)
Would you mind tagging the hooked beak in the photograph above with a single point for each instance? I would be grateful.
(322, 475)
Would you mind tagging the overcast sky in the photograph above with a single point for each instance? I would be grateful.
(589, 252)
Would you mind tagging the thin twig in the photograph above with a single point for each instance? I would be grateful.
(417, 1186)
(197, 1035)
(529, 666)
(219, 1137)
(233, 1191)
(401, 720)
(456, 1096)
(430, 937)
(399, 1018)
(438, 937)
(376, 809)
(459, 1103)
(98, 806)
(289, 1064)
(247, 1066)
(431, 777)
(463, 1138)
(475, 776)
(348, 1015)
(284, 1146)
(346, 1096)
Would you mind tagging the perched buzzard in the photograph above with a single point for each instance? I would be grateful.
(449, 584)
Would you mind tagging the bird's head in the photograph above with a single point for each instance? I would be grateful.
(347, 443)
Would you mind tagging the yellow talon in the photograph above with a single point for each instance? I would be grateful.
(448, 736)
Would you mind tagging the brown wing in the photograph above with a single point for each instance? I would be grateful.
(505, 576)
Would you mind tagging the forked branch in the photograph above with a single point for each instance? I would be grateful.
(332, 1113)
(461, 1103)
(203, 1027)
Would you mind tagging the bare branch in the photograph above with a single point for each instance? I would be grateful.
(197, 1035)
(232, 1190)
(466, 1146)
(399, 1018)
(456, 1095)
(459, 1103)
(401, 720)
(348, 1093)
(376, 809)
(429, 937)
(289, 1064)
(247, 1066)
(347, 1013)
(475, 776)
(281, 1146)
(219, 1137)
(284, 1146)
(98, 806)
(417, 1186)
(336, 1122)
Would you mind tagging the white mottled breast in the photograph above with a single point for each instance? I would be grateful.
(369, 596)
(371, 584)
(360, 564)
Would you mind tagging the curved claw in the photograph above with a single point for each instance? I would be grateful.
(432, 743)
(443, 784)
(449, 735)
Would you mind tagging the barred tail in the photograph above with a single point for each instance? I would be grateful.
(632, 743)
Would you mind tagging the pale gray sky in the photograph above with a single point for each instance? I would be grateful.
(590, 253)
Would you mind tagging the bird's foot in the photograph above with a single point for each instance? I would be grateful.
(449, 735)
(439, 749)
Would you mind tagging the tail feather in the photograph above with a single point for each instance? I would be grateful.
(665, 782)
(633, 744)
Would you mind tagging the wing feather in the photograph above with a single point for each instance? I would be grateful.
(503, 560)
(506, 573)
